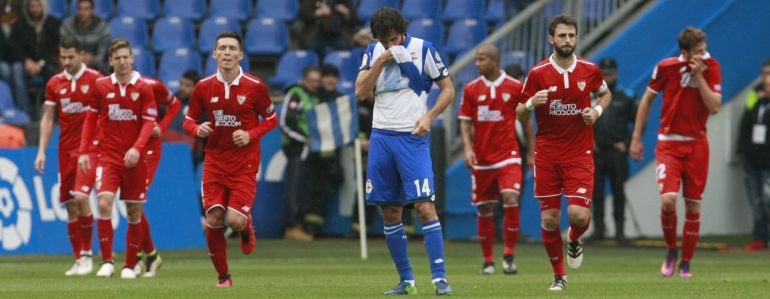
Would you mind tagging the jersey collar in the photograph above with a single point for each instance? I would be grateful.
(497, 81)
(561, 70)
(77, 75)
(705, 56)
(134, 77)
(237, 79)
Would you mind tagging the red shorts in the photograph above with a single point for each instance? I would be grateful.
(572, 178)
(487, 184)
(85, 181)
(131, 181)
(68, 170)
(233, 191)
(151, 160)
(684, 163)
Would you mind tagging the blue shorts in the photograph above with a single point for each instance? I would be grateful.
(399, 170)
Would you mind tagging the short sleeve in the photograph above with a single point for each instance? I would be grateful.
(467, 106)
(366, 60)
(149, 106)
(530, 87)
(196, 103)
(163, 95)
(656, 80)
(433, 66)
(50, 94)
(264, 105)
(598, 85)
(713, 76)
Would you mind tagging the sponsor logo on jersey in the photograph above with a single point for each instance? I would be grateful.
(225, 120)
(369, 186)
(134, 95)
(241, 99)
(581, 85)
(115, 113)
(559, 109)
(214, 100)
(486, 114)
(686, 79)
(68, 106)
(84, 88)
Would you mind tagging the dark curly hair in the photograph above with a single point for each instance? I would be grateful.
(385, 19)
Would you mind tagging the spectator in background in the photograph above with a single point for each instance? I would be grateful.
(753, 148)
(327, 24)
(10, 10)
(92, 32)
(186, 84)
(296, 138)
(11, 136)
(516, 71)
(613, 136)
(34, 49)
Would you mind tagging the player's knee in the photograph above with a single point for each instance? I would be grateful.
(486, 210)
(692, 205)
(105, 207)
(668, 203)
(426, 211)
(72, 211)
(391, 214)
(510, 199)
(215, 218)
(550, 220)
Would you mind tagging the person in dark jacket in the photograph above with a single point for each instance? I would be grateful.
(92, 32)
(612, 136)
(754, 150)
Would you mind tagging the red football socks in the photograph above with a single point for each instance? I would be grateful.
(553, 247)
(147, 245)
(215, 238)
(486, 229)
(86, 232)
(690, 235)
(105, 233)
(74, 235)
(133, 243)
(511, 222)
(576, 231)
(668, 223)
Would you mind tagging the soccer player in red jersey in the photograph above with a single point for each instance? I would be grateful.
(163, 97)
(233, 101)
(69, 91)
(559, 91)
(488, 128)
(692, 90)
(124, 107)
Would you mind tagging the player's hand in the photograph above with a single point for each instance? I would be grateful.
(636, 150)
(131, 157)
(590, 115)
(540, 98)
(530, 159)
(156, 131)
(241, 138)
(470, 158)
(40, 162)
(697, 66)
(386, 56)
(422, 126)
(84, 163)
(204, 130)
(620, 146)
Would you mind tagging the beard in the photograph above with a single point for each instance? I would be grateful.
(564, 52)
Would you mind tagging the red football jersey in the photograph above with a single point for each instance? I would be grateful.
(491, 106)
(121, 111)
(164, 97)
(561, 132)
(230, 107)
(71, 94)
(683, 112)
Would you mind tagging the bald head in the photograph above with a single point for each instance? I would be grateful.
(490, 51)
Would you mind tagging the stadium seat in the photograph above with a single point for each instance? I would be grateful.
(146, 10)
(144, 62)
(428, 29)
(102, 8)
(10, 113)
(464, 35)
(58, 9)
(173, 63)
(367, 7)
(495, 13)
(456, 10)
(348, 65)
(210, 28)
(523, 58)
(285, 10)
(240, 10)
(595, 10)
(266, 36)
(290, 67)
(418, 9)
(171, 33)
(133, 30)
(211, 65)
(187, 9)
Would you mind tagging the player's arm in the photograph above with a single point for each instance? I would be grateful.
(711, 99)
(173, 105)
(524, 110)
(190, 124)
(266, 110)
(367, 76)
(149, 113)
(46, 128)
(603, 99)
(467, 136)
(84, 162)
(445, 97)
(636, 148)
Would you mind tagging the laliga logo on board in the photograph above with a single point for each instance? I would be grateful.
(12, 188)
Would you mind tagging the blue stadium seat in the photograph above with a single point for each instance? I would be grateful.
(171, 33)
(495, 13)
(367, 8)
(463, 9)
(144, 62)
(428, 29)
(464, 35)
(523, 58)
(418, 9)
(11, 114)
(134, 30)
(173, 63)
(58, 9)
(595, 10)
(348, 65)
(266, 36)
(290, 67)
(102, 8)
(285, 10)
(188, 9)
(211, 27)
(211, 65)
(240, 10)
(146, 10)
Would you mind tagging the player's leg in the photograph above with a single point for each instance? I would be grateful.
(578, 187)
(242, 190)
(669, 174)
(548, 188)
(693, 185)
(485, 196)
(80, 192)
(148, 258)
(397, 242)
(509, 180)
(67, 173)
(214, 194)
(107, 184)
(134, 194)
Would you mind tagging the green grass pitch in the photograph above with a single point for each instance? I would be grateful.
(334, 269)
